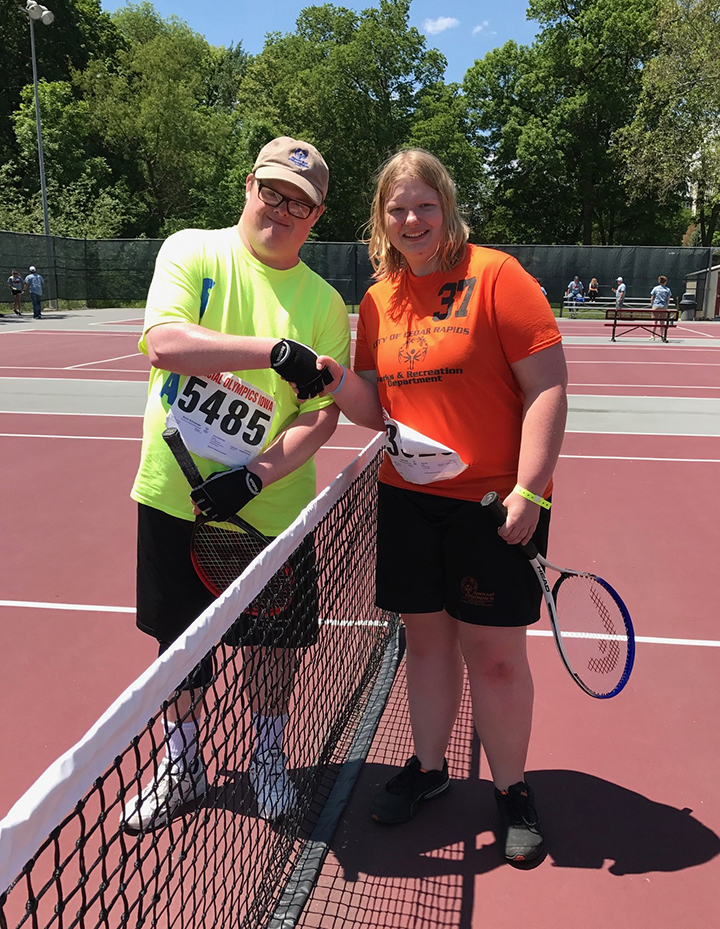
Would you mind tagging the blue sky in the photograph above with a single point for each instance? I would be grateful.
(462, 30)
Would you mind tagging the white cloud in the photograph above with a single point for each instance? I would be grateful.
(433, 26)
(481, 28)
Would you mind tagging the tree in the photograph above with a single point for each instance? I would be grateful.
(359, 86)
(174, 147)
(81, 33)
(440, 124)
(546, 117)
(83, 198)
(673, 142)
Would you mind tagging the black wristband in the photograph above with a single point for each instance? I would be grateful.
(297, 363)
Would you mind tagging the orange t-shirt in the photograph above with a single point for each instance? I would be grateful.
(442, 346)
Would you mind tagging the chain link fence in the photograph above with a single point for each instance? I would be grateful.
(115, 272)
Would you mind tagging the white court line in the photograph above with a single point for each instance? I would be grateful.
(630, 346)
(541, 633)
(705, 335)
(665, 398)
(122, 438)
(96, 371)
(646, 639)
(651, 386)
(77, 331)
(74, 607)
(639, 458)
(345, 448)
(57, 413)
(98, 438)
(663, 364)
(101, 361)
(664, 435)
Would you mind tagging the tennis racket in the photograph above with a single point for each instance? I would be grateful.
(590, 623)
(220, 551)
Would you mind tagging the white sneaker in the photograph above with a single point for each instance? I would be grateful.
(274, 791)
(170, 789)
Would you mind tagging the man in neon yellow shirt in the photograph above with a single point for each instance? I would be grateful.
(236, 302)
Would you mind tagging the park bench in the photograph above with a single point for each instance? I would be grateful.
(629, 318)
(570, 309)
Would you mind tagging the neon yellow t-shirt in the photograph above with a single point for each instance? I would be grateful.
(209, 278)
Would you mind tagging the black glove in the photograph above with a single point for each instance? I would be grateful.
(295, 362)
(226, 493)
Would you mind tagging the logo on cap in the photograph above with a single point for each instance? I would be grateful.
(299, 156)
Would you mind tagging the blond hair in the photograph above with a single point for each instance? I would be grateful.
(416, 164)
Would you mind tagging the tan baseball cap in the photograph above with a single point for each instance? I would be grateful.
(300, 163)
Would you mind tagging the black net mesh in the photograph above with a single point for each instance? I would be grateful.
(217, 862)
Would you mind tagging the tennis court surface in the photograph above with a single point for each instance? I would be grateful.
(626, 788)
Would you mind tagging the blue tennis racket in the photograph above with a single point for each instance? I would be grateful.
(590, 623)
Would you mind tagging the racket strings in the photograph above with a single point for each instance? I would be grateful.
(593, 631)
(609, 648)
(220, 554)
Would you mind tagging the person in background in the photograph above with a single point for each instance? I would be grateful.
(460, 361)
(620, 292)
(660, 297)
(232, 302)
(34, 284)
(574, 293)
(16, 285)
(593, 290)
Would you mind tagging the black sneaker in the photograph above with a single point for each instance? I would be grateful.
(523, 835)
(397, 802)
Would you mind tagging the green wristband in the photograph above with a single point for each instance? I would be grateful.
(529, 495)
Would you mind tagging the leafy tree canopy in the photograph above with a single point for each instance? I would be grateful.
(673, 142)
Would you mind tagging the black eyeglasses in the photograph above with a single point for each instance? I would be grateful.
(296, 208)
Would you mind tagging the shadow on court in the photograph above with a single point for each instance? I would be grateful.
(588, 822)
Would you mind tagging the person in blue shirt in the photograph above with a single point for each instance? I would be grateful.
(660, 297)
(34, 284)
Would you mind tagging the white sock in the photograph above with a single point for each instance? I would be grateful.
(181, 742)
(269, 730)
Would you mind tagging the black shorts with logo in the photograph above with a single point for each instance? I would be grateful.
(170, 595)
(438, 553)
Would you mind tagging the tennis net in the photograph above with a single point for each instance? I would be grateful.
(69, 858)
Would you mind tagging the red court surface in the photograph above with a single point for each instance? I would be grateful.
(627, 787)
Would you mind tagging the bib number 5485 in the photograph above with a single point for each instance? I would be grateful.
(234, 414)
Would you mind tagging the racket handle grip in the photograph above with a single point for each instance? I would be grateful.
(188, 467)
(498, 514)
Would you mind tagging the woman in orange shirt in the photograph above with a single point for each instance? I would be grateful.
(459, 360)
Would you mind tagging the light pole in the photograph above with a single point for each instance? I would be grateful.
(35, 11)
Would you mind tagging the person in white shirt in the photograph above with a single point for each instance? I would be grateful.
(619, 292)
(34, 283)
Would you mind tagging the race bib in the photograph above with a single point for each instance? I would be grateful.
(417, 458)
(222, 417)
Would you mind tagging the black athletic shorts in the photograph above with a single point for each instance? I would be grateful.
(170, 595)
(437, 553)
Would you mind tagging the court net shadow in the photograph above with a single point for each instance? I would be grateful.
(426, 869)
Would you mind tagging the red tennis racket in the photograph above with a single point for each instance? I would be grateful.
(220, 551)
